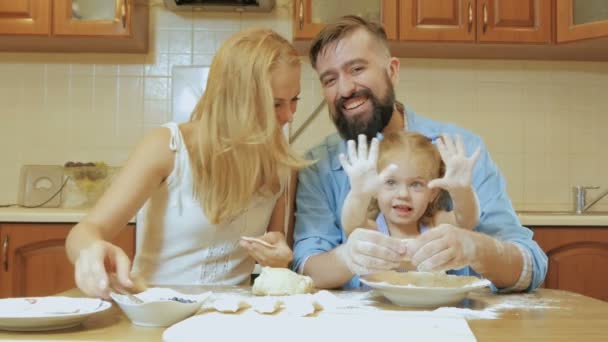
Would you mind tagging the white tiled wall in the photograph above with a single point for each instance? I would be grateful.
(545, 123)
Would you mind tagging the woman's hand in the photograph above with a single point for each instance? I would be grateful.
(279, 255)
(95, 263)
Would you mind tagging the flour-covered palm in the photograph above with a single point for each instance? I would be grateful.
(458, 168)
(360, 166)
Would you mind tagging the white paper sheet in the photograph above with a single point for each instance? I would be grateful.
(381, 326)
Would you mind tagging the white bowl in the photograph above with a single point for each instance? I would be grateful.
(158, 309)
(423, 290)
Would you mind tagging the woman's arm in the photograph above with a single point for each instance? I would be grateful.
(87, 243)
(279, 233)
(282, 218)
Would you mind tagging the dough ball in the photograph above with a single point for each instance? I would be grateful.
(281, 282)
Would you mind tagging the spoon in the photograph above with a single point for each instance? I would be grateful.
(122, 291)
(260, 241)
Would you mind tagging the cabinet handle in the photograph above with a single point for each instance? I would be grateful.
(5, 253)
(301, 15)
(470, 17)
(123, 13)
(485, 18)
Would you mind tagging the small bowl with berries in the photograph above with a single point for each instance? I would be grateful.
(159, 307)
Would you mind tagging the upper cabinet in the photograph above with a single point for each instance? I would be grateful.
(437, 20)
(489, 29)
(514, 21)
(311, 15)
(74, 25)
(492, 21)
(25, 17)
(581, 19)
(92, 18)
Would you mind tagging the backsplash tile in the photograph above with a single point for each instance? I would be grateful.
(544, 122)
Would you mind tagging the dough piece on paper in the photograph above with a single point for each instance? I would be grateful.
(228, 304)
(266, 305)
(281, 282)
(300, 305)
(325, 300)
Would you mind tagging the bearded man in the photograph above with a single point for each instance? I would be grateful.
(358, 77)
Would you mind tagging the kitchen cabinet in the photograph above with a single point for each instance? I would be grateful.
(311, 15)
(74, 25)
(25, 17)
(581, 19)
(578, 259)
(445, 20)
(489, 21)
(474, 29)
(34, 261)
(92, 18)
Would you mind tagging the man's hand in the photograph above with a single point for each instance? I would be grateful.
(458, 168)
(361, 167)
(445, 247)
(367, 251)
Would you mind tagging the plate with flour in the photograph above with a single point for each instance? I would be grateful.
(423, 289)
(47, 313)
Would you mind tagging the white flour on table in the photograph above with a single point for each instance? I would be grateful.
(493, 306)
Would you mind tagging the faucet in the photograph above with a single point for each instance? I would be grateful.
(580, 195)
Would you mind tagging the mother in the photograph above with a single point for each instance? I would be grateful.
(201, 185)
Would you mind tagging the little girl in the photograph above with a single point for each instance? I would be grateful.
(408, 191)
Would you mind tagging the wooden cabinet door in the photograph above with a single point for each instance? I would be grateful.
(578, 259)
(310, 16)
(581, 19)
(25, 17)
(34, 261)
(92, 18)
(514, 21)
(437, 20)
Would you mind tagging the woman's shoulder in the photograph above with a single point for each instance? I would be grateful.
(188, 132)
(154, 151)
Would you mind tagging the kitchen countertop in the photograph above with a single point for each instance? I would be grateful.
(544, 315)
(46, 215)
(529, 219)
(547, 218)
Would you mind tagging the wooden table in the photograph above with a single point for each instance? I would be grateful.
(564, 316)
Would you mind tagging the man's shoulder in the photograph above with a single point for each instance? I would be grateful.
(430, 127)
(326, 149)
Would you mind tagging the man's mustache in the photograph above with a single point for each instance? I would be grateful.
(363, 92)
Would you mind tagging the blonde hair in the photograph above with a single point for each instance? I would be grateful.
(419, 149)
(241, 150)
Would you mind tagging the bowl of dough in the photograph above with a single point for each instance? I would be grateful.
(159, 307)
(423, 289)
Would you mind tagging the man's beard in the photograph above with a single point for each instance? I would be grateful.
(382, 111)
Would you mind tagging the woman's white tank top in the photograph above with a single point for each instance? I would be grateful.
(177, 245)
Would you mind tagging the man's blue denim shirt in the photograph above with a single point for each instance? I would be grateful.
(323, 187)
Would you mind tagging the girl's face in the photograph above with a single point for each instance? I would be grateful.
(404, 197)
(285, 82)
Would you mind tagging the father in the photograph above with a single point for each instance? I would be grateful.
(358, 76)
